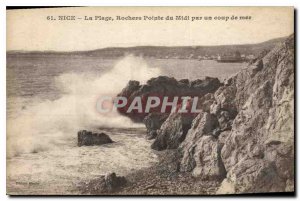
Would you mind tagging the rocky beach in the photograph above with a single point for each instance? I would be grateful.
(61, 140)
(241, 141)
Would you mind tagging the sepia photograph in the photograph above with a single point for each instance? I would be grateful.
(150, 101)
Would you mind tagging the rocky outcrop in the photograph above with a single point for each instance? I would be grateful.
(247, 135)
(201, 150)
(252, 176)
(262, 134)
(224, 106)
(163, 86)
(172, 131)
(153, 122)
(243, 136)
(87, 138)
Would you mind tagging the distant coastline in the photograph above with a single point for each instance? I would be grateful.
(163, 52)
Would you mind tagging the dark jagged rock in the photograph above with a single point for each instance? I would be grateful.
(131, 87)
(163, 86)
(208, 85)
(172, 131)
(87, 138)
(153, 122)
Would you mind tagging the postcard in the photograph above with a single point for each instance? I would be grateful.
(150, 101)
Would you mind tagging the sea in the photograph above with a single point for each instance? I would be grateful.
(51, 97)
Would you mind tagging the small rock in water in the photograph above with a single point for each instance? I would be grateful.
(88, 138)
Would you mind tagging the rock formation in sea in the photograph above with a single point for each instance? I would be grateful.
(244, 134)
(163, 86)
(88, 138)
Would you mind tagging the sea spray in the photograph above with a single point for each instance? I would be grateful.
(48, 124)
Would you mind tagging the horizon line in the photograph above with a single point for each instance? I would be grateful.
(136, 46)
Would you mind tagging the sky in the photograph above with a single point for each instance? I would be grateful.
(29, 30)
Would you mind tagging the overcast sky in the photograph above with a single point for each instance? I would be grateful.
(30, 30)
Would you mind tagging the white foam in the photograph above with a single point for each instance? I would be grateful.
(46, 124)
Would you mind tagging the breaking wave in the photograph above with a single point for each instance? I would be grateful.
(46, 124)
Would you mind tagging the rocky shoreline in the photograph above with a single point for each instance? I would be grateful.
(162, 178)
(241, 141)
